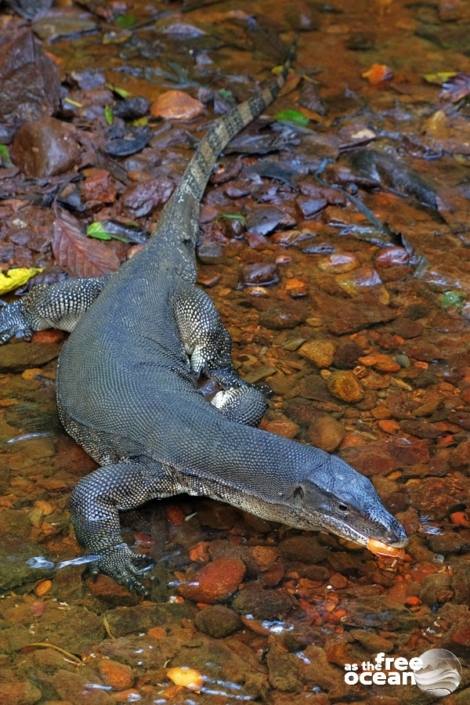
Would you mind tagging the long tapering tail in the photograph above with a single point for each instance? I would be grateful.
(198, 171)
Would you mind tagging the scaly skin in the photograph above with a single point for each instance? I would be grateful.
(137, 351)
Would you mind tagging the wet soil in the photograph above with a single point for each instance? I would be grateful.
(334, 242)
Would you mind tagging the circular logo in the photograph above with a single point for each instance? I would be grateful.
(438, 672)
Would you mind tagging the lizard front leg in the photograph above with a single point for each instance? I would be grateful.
(95, 505)
(209, 347)
(56, 306)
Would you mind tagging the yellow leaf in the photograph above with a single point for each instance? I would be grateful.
(16, 277)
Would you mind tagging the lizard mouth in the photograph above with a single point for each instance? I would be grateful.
(394, 538)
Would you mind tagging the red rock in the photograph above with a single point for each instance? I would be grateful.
(296, 288)
(98, 187)
(282, 426)
(370, 459)
(45, 147)
(117, 675)
(381, 362)
(176, 105)
(216, 581)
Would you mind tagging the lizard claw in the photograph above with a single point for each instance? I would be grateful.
(119, 563)
(13, 323)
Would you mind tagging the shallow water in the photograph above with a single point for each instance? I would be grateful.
(359, 326)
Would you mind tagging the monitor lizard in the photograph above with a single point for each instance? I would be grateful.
(127, 392)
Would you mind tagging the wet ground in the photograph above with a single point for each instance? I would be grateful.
(335, 243)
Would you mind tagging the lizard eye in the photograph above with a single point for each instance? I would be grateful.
(299, 493)
(343, 507)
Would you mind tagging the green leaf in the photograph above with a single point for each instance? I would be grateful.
(140, 122)
(121, 92)
(234, 216)
(126, 21)
(226, 94)
(451, 299)
(5, 155)
(97, 231)
(75, 103)
(108, 114)
(293, 116)
(439, 77)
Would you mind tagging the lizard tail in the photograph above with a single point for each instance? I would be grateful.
(198, 171)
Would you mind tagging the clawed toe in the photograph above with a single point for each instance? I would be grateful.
(121, 564)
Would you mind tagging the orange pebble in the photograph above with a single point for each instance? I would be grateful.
(186, 677)
(117, 675)
(43, 587)
(388, 425)
(413, 601)
(156, 632)
(199, 552)
(460, 519)
(377, 74)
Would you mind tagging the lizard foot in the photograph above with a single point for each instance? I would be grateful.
(12, 323)
(119, 563)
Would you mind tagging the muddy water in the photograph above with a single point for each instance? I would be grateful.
(343, 280)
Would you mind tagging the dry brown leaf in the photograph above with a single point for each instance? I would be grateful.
(78, 255)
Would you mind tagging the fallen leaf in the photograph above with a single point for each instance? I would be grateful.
(439, 77)
(176, 105)
(295, 117)
(77, 254)
(456, 87)
(16, 277)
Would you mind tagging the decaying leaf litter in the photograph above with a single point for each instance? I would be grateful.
(333, 239)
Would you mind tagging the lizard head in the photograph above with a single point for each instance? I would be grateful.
(338, 499)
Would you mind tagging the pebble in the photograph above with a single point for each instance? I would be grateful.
(281, 426)
(117, 675)
(260, 273)
(303, 548)
(380, 362)
(296, 288)
(326, 433)
(215, 582)
(320, 352)
(217, 621)
(345, 386)
(338, 263)
(29, 79)
(309, 206)
(263, 603)
(346, 355)
(45, 147)
(176, 105)
(280, 318)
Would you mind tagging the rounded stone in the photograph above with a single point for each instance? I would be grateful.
(345, 386)
(217, 621)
